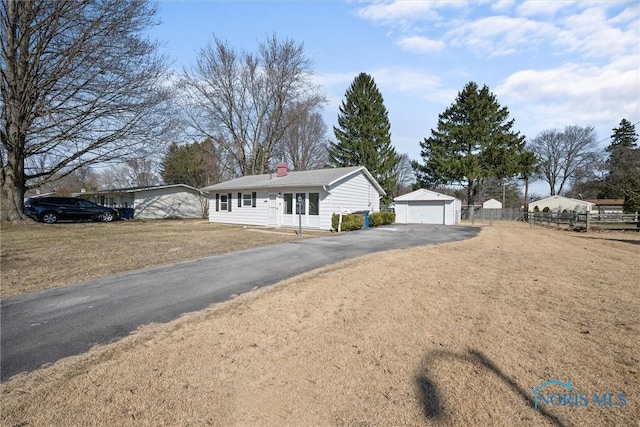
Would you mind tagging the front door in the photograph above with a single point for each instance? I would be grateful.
(273, 215)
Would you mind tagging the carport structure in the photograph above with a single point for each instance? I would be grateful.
(427, 207)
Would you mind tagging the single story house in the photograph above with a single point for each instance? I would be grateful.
(155, 202)
(491, 204)
(560, 204)
(427, 207)
(284, 198)
(608, 206)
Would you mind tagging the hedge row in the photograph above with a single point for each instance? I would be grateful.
(381, 218)
(349, 222)
(356, 221)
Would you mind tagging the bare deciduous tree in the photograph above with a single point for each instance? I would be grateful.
(240, 100)
(81, 84)
(406, 177)
(131, 173)
(304, 144)
(561, 154)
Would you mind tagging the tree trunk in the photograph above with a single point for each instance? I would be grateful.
(12, 189)
(526, 198)
(470, 202)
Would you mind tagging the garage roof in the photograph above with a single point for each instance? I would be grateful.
(421, 195)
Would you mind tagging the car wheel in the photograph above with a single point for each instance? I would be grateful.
(49, 218)
(106, 217)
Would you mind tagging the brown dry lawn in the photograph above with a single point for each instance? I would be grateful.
(41, 256)
(450, 335)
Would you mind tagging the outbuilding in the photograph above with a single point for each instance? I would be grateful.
(427, 207)
(560, 204)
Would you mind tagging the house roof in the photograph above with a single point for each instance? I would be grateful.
(606, 202)
(421, 195)
(561, 199)
(139, 189)
(310, 178)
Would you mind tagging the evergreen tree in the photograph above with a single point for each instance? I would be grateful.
(363, 134)
(473, 142)
(623, 167)
(192, 164)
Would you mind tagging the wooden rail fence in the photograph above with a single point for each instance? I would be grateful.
(587, 221)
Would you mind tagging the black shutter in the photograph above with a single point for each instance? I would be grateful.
(217, 202)
(253, 199)
(239, 200)
(229, 202)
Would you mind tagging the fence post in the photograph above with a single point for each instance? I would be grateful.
(588, 215)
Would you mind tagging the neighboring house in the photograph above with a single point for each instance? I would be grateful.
(427, 207)
(491, 204)
(157, 202)
(560, 204)
(606, 206)
(272, 199)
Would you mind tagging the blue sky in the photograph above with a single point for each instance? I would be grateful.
(552, 63)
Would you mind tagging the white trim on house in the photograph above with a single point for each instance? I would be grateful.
(427, 207)
(323, 193)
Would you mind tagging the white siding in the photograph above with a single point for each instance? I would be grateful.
(401, 209)
(492, 204)
(168, 203)
(560, 203)
(243, 214)
(354, 193)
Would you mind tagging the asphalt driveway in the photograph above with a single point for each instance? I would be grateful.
(43, 327)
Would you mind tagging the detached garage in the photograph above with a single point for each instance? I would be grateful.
(427, 207)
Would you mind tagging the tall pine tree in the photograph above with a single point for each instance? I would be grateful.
(623, 167)
(364, 136)
(473, 142)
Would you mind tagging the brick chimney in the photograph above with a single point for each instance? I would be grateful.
(281, 169)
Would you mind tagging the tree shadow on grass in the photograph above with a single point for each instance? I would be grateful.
(630, 241)
(430, 397)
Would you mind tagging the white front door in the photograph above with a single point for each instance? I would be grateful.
(273, 216)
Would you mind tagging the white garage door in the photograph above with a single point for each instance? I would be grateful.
(431, 212)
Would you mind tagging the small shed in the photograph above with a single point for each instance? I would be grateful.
(491, 204)
(427, 207)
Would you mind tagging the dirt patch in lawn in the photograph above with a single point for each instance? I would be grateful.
(455, 334)
(39, 256)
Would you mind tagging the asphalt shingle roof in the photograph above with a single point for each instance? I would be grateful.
(311, 178)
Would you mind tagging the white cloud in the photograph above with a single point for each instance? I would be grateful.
(591, 34)
(577, 93)
(403, 12)
(544, 8)
(502, 5)
(500, 35)
(419, 44)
